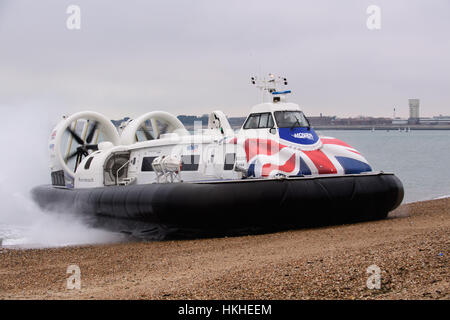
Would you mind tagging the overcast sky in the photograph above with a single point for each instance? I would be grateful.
(193, 56)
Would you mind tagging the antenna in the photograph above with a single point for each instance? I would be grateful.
(269, 84)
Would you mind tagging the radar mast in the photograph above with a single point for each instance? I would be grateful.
(269, 85)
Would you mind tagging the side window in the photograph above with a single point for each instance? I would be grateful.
(252, 122)
(270, 123)
(190, 162)
(230, 158)
(147, 164)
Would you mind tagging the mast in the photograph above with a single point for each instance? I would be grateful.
(268, 86)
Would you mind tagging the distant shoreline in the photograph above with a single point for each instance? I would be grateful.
(366, 127)
(383, 127)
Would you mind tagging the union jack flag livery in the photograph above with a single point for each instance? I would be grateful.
(277, 139)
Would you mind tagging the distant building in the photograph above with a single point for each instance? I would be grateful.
(444, 120)
(414, 111)
(399, 121)
(335, 121)
(322, 120)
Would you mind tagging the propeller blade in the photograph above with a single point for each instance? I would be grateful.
(163, 129)
(147, 134)
(75, 136)
(92, 132)
(77, 162)
(72, 155)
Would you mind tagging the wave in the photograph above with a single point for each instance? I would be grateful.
(442, 197)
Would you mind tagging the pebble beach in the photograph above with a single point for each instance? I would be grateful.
(410, 248)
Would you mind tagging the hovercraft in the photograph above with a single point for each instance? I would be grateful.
(153, 178)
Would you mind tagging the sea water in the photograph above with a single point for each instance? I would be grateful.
(421, 159)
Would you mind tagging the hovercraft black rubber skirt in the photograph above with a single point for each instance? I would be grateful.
(189, 210)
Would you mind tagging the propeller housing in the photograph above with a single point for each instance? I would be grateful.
(79, 144)
(161, 122)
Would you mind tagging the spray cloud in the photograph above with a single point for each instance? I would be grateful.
(24, 164)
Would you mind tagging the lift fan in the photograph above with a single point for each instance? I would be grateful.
(76, 137)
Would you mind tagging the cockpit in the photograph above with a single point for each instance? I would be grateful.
(284, 119)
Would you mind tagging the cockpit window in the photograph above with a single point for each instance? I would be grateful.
(259, 120)
(266, 120)
(291, 119)
(252, 122)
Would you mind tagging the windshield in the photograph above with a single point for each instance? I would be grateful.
(291, 119)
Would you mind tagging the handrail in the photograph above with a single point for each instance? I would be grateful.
(118, 170)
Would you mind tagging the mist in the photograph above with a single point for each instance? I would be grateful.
(25, 164)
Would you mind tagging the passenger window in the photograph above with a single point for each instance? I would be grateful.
(147, 164)
(190, 162)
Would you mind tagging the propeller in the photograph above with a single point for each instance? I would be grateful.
(84, 146)
(147, 133)
(163, 129)
(90, 136)
(163, 126)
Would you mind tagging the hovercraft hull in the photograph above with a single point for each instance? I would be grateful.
(198, 209)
